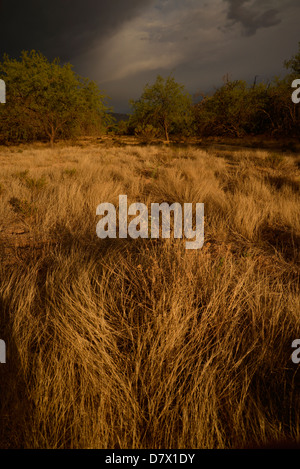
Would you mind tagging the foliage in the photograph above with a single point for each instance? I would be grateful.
(147, 132)
(234, 109)
(50, 101)
(294, 63)
(165, 106)
(237, 109)
(47, 100)
(121, 128)
(284, 114)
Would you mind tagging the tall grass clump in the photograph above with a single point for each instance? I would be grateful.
(141, 343)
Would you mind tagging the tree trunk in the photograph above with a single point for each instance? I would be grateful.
(52, 136)
(166, 131)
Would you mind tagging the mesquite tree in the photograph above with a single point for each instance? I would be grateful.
(46, 99)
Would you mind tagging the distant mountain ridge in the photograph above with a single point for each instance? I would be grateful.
(119, 116)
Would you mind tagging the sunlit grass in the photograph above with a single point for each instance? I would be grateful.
(141, 343)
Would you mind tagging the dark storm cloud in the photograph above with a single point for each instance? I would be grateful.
(123, 44)
(253, 15)
(61, 28)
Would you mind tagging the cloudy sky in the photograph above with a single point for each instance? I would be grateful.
(124, 44)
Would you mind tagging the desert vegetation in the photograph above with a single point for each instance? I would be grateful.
(141, 343)
(48, 101)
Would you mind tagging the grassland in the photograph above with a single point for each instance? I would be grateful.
(141, 343)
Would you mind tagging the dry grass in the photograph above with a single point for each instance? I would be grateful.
(141, 343)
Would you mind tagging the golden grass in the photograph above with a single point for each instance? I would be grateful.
(141, 343)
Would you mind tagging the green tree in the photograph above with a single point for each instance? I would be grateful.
(293, 64)
(46, 99)
(237, 109)
(234, 109)
(165, 106)
(283, 112)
